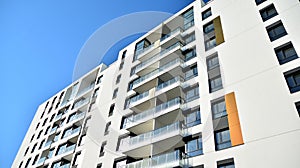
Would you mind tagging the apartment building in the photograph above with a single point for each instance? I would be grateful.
(216, 85)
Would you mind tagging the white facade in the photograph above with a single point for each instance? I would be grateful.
(232, 101)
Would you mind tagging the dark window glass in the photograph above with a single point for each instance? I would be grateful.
(286, 53)
(222, 139)
(111, 110)
(276, 31)
(124, 54)
(218, 109)
(115, 93)
(210, 43)
(208, 28)
(121, 66)
(297, 104)
(193, 119)
(102, 149)
(259, 1)
(293, 79)
(206, 13)
(27, 163)
(118, 79)
(215, 84)
(268, 12)
(193, 72)
(188, 19)
(226, 165)
(107, 128)
(190, 54)
(212, 62)
(194, 147)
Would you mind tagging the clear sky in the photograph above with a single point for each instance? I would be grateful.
(39, 44)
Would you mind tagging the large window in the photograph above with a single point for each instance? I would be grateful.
(193, 118)
(218, 109)
(212, 62)
(222, 139)
(192, 94)
(268, 12)
(194, 147)
(276, 31)
(293, 79)
(286, 53)
(188, 19)
(215, 84)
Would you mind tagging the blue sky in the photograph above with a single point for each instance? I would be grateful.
(39, 44)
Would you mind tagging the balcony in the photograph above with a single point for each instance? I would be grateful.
(155, 72)
(47, 144)
(81, 102)
(168, 83)
(83, 91)
(156, 56)
(53, 129)
(71, 132)
(172, 159)
(77, 117)
(141, 144)
(139, 97)
(65, 149)
(151, 113)
(41, 161)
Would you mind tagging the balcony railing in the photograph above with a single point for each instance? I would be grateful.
(144, 63)
(168, 83)
(64, 149)
(137, 53)
(85, 89)
(178, 29)
(77, 116)
(188, 25)
(81, 102)
(158, 161)
(42, 160)
(48, 143)
(162, 68)
(155, 133)
(138, 97)
(58, 116)
(71, 132)
(53, 129)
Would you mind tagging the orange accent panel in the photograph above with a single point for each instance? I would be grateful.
(233, 120)
(218, 30)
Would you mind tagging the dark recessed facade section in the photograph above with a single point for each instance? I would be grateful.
(286, 53)
(268, 12)
(258, 2)
(292, 78)
(276, 31)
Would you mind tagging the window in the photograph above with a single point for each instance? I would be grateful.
(222, 139)
(209, 27)
(193, 72)
(276, 31)
(206, 13)
(293, 79)
(194, 147)
(188, 19)
(118, 79)
(45, 121)
(285, 53)
(99, 165)
(193, 119)
(27, 163)
(259, 1)
(228, 163)
(37, 126)
(215, 84)
(102, 149)
(107, 128)
(47, 130)
(132, 71)
(210, 43)
(111, 110)
(42, 143)
(190, 38)
(115, 93)
(212, 62)
(268, 12)
(33, 148)
(32, 138)
(99, 79)
(26, 151)
(297, 104)
(35, 159)
(218, 109)
(192, 94)
(124, 54)
(20, 165)
(190, 54)
(121, 65)
(39, 135)
(52, 117)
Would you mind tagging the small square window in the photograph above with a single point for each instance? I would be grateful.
(118, 79)
(107, 127)
(268, 12)
(102, 149)
(212, 62)
(292, 78)
(115, 93)
(194, 147)
(228, 163)
(276, 31)
(206, 13)
(121, 65)
(222, 139)
(111, 110)
(99, 165)
(297, 104)
(286, 53)
(259, 1)
(209, 27)
(218, 108)
(124, 54)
